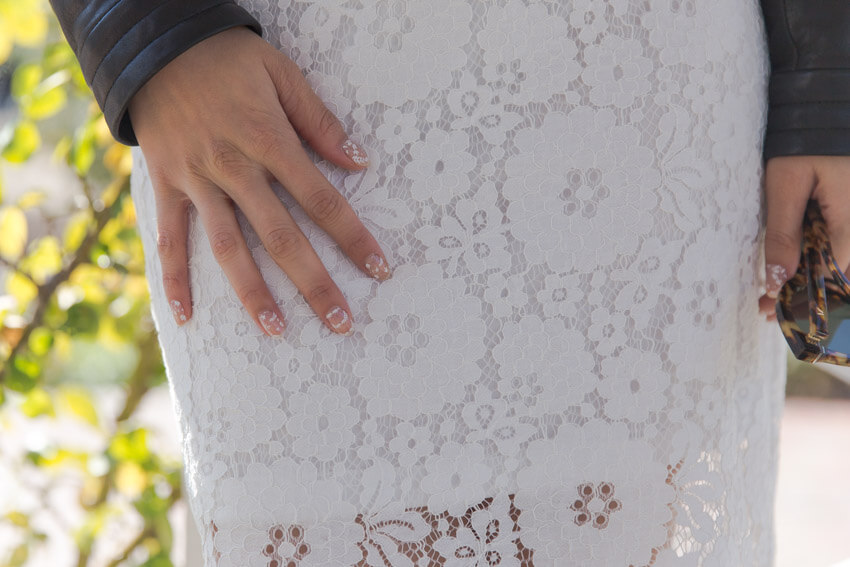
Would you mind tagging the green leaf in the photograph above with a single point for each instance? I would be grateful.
(22, 289)
(44, 104)
(79, 81)
(18, 519)
(58, 56)
(83, 319)
(83, 150)
(44, 261)
(130, 479)
(25, 79)
(25, 140)
(13, 232)
(31, 199)
(40, 340)
(130, 446)
(76, 230)
(36, 403)
(78, 402)
(19, 555)
(160, 560)
(162, 527)
(23, 374)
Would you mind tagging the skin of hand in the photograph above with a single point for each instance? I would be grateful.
(790, 181)
(217, 125)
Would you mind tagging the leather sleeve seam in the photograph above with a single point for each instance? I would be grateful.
(93, 26)
(810, 70)
(812, 102)
(807, 129)
(790, 35)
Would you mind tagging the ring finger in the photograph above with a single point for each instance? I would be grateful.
(291, 250)
(228, 245)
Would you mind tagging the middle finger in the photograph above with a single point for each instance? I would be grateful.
(286, 244)
(287, 161)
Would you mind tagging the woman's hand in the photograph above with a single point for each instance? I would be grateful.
(216, 125)
(790, 181)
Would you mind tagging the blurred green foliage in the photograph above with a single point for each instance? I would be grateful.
(70, 284)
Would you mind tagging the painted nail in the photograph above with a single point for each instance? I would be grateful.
(271, 322)
(377, 267)
(178, 311)
(355, 153)
(776, 276)
(340, 321)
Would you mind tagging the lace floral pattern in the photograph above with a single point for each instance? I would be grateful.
(567, 366)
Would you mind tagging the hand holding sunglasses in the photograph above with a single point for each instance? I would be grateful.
(812, 307)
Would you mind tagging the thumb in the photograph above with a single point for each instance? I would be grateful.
(789, 182)
(313, 121)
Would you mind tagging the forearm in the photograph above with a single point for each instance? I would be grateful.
(123, 43)
(809, 93)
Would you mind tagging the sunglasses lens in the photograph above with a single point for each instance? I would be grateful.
(837, 312)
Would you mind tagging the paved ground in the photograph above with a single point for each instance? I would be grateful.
(813, 496)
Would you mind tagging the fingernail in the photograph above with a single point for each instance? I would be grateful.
(776, 276)
(271, 322)
(355, 153)
(178, 311)
(340, 321)
(378, 267)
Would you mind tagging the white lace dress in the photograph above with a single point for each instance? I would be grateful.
(567, 367)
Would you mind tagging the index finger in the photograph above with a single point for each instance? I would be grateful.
(284, 156)
(789, 182)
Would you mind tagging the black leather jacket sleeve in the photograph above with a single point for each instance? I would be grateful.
(122, 43)
(809, 92)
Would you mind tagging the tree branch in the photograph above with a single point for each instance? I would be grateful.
(46, 291)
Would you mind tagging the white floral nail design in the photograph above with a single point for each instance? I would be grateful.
(340, 321)
(377, 267)
(355, 153)
(178, 311)
(271, 322)
(777, 275)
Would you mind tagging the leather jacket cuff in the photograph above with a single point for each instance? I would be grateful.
(809, 113)
(122, 44)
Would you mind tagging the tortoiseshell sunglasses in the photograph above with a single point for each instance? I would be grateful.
(813, 307)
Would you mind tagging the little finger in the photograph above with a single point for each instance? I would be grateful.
(172, 231)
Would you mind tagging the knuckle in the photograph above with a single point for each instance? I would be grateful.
(250, 295)
(328, 122)
(173, 284)
(781, 241)
(224, 245)
(362, 239)
(324, 206)
(160, 175)
(319, 292)
(197, 167)
(286, 75)
(269, 136)
(166, 243)
(224, 158)
(264, 141)
(283, 243)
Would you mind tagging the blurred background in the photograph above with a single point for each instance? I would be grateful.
(90, 472)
